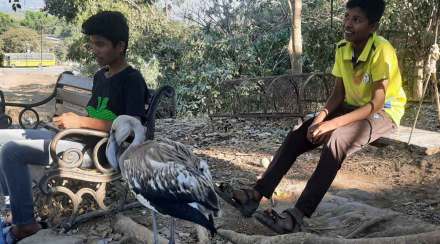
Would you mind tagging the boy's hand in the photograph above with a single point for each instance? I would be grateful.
(318, 132)
(310, 130)
(67, 121)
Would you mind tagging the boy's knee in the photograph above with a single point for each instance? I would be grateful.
(6, 151)
(335, 149)
(337, 140)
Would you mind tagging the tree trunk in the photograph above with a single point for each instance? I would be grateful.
(295, 43)
(436, 95)
(418, 82)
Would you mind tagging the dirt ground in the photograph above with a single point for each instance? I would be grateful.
(388, 177)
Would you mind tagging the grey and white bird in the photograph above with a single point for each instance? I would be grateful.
(165, 176)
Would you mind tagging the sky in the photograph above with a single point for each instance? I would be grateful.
(5, 6)
(177, 12)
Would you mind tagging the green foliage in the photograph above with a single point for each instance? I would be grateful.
(6, 22)
(20, 39)
(66, 9)
(50, 24)
(38, 20)
(321, 33)
(15, 4)
(234, 39)
(413, 35)
(72, 9)
(248, 38)
(35, 20)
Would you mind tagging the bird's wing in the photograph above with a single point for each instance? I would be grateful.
(180, 148)
(174, 183)
(164, 150)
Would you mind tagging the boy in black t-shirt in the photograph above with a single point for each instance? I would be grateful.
(117, 89)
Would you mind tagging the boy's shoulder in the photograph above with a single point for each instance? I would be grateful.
(341, 43)
(378, 42)
(134, 74)
(99, 75)
(128, 71)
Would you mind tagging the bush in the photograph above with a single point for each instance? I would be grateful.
(6, 22)
(20, 39)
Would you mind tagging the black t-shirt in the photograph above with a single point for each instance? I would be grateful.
(123, 93)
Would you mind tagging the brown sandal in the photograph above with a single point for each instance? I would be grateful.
(271, 219)
(246, 208)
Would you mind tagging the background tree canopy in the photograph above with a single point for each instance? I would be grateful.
(20, 39)
(196, 48)
(5, 22)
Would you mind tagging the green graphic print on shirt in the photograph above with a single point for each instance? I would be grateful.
(101, 112)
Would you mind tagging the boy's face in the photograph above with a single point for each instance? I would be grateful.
(105, 52)
(357, 28)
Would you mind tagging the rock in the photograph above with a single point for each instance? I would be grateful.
(129, 240)
(183, 234)
(49, 236)
(99, 241)
(265, 162)
(117, 236)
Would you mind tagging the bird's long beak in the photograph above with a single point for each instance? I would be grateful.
(112, 152)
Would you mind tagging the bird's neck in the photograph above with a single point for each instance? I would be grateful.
(138, 140)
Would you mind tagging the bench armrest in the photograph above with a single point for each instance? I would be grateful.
(50, 126)
(69, 133)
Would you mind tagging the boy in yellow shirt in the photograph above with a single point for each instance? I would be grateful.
(367, 103)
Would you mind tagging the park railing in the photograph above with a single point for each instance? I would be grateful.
(274, 96)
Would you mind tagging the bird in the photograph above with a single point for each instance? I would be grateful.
(164, 175)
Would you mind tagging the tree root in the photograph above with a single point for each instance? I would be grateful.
(432, 237)
(68, 225)
(131, 229)
(202, 235)
(369, 224)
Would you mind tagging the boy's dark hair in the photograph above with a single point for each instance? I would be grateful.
(372, 8)
(109, 24)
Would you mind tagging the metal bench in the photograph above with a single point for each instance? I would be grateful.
(65, 175)
(271, 97)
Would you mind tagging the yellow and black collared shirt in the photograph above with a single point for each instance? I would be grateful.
(378, 61)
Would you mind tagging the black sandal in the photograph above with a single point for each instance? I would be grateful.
(271, 219)
(246, 208)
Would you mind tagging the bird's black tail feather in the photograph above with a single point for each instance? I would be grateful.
(186, 212)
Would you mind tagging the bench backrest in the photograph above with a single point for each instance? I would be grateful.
(72, 94)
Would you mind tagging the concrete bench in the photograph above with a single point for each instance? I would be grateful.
(424, 141)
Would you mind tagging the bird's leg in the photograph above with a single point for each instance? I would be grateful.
(123, 201)
(156, 239)
(172, 231)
